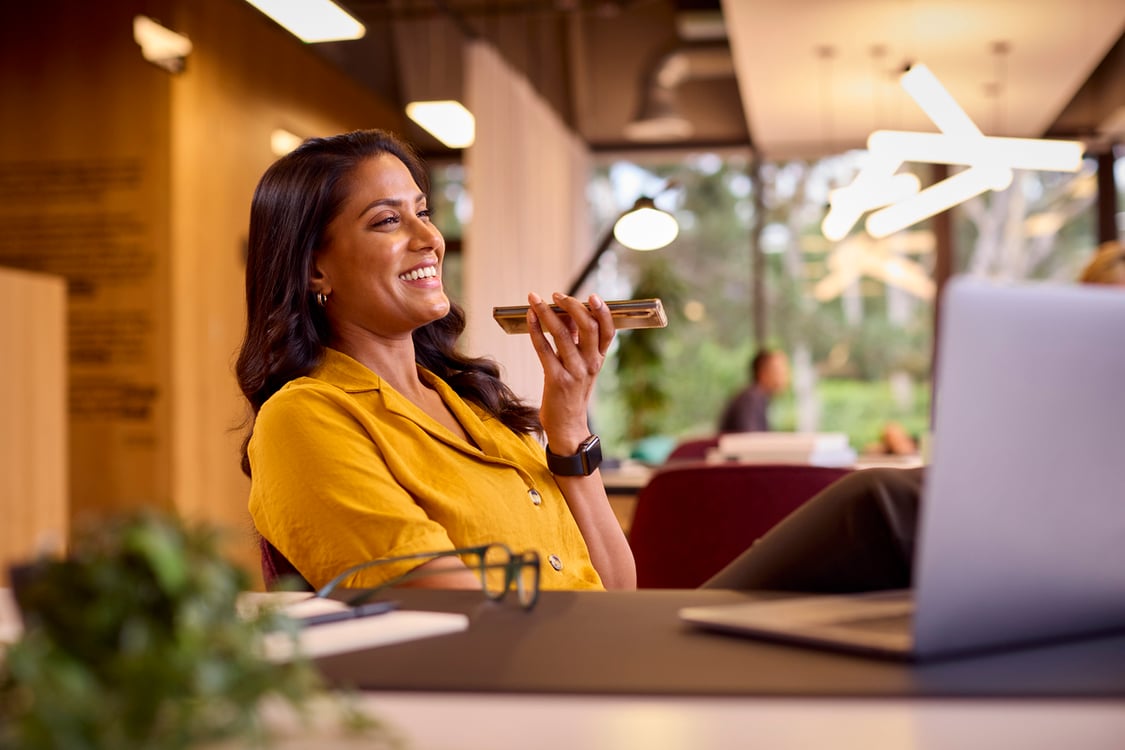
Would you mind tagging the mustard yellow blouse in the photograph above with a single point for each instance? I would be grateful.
(346, 470)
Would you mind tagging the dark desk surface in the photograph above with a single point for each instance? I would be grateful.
(633, 643)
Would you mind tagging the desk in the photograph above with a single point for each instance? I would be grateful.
(594, 670)
(632, 643)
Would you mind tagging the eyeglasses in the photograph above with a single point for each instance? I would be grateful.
(498, 567)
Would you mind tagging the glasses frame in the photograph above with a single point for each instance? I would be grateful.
(512, 567)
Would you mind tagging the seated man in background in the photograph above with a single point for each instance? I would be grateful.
(748, 411)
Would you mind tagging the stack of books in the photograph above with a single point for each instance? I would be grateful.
(812, 448)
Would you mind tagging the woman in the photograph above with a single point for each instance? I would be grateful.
(373, 436)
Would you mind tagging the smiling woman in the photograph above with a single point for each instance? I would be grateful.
(374, 437)
(378, 268)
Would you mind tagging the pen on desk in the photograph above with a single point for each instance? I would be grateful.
(362, 610)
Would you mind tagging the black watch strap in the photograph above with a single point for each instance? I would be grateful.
(582, 464)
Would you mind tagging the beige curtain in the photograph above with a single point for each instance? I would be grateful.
(530, 229)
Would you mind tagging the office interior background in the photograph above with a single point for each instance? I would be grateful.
(125, 186)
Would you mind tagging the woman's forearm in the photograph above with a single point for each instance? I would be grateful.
(609, 549)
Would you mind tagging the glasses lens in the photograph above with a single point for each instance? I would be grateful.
(494, 573)
(527, 580)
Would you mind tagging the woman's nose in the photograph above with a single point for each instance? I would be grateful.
(425, 232)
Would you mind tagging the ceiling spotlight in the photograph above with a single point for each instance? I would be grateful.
(160, 46)
(312, 20)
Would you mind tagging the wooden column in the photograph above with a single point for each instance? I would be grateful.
(33, 432)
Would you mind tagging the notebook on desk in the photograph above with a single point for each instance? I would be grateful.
(1022, 530)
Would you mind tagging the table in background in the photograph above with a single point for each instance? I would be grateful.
(622, 483)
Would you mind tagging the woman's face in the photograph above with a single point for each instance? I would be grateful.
(381, 261)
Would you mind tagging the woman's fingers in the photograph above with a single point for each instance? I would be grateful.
(582, 334)
(583, 327)
(606, 328)
(535, 328)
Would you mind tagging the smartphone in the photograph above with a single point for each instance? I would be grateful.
(628, 313)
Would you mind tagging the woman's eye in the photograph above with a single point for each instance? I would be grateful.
(386, 222)
(425, 213)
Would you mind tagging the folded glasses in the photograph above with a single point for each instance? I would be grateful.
(497, 566)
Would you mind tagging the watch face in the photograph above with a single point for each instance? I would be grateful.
(591, 450)
(583, 463)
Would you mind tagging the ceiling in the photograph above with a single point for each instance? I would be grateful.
(792, 78)
(820, 75)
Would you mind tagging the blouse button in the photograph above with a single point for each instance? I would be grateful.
(556, 563)
(536, 499)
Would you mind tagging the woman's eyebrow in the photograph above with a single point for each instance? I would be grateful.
(392, 202)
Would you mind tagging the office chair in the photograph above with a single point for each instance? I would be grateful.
(276, 566)
(693, 448)
(694, 518)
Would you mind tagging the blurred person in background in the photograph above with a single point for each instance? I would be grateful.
(748, 411)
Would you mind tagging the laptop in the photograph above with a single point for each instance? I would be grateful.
(1021, 533)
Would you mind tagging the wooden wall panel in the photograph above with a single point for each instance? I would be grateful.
(33, 432)
(84, 193)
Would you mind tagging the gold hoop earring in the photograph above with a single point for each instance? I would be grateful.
(322, 299)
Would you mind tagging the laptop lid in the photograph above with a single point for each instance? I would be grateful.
(1022, 528)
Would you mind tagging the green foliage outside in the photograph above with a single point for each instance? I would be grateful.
(860, 409)
(691, 369)
(680, 378)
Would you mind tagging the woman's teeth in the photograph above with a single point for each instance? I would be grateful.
(428, 272)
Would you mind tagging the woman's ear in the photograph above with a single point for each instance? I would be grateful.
(318, 281)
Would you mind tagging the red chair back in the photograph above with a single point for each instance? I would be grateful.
(275, 566)
(693, 519)
(693, 448)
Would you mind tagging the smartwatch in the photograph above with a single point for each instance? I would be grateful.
(582, 464)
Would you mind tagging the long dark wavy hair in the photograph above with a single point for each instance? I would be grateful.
(286, 331)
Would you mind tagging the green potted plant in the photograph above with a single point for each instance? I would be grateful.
(133, 641)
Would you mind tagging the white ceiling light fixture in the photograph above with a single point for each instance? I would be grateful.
(937, 198)
(990, 162)
(646, 227)
(312, 21)
(642, 227)
(447, 120)
(875, 186)
(160, 46)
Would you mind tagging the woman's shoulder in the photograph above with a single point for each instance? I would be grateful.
(321, 391)
(336, 373)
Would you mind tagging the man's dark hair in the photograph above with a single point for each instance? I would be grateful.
(759, 362)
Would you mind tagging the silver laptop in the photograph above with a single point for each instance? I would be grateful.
(1022, 528)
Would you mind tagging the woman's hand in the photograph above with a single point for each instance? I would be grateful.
(570, 369)
(571, 366)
